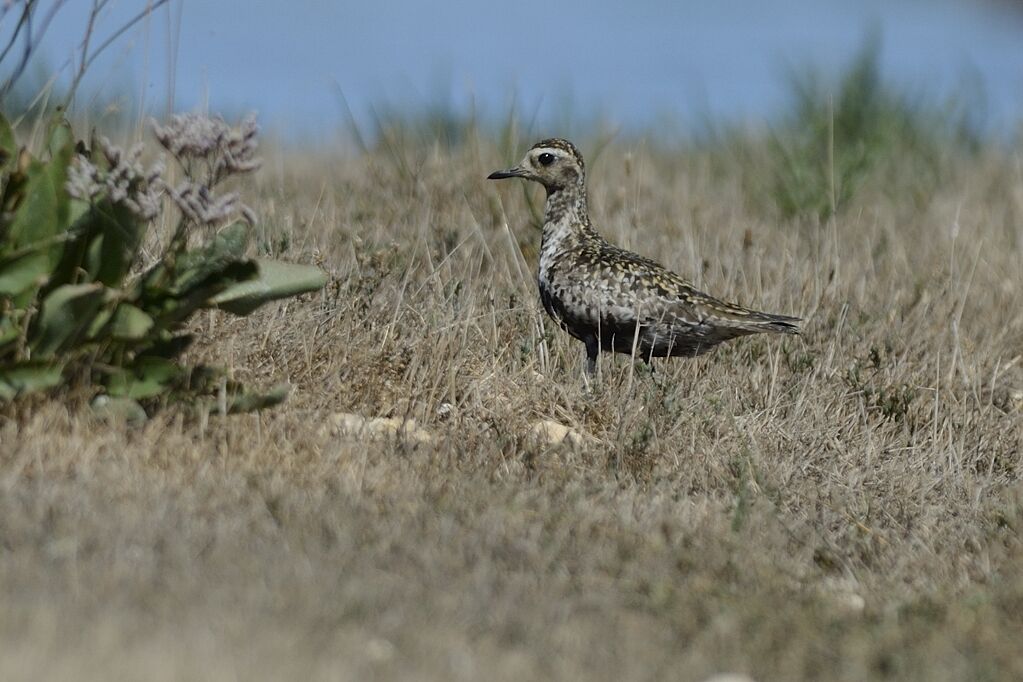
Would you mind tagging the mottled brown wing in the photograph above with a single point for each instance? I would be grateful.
(670, 297)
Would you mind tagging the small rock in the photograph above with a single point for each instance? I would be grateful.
(380, 649)
(380, 427)
(550, 431)
(1016, 398)
(844, 594)
(850, 601)
(124, 409)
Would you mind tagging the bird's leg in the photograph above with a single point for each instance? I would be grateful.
(655, 377)
(592, 351)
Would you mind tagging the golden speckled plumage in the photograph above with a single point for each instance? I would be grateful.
(612, 299)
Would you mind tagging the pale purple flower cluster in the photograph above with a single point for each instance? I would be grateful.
(125, 181)
(228, 150)
(198, 142)
(201, 207)
(208, 141)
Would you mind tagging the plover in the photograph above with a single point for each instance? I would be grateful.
(612, 299)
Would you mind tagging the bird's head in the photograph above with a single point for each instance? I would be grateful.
(554, 163)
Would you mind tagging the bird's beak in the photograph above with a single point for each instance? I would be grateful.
(517, 172)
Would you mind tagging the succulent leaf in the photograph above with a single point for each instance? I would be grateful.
(28, 377)
(20, 271)
(147, 377)
(66, 314)
(274, 280)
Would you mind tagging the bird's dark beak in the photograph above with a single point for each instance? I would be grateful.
(510, 173)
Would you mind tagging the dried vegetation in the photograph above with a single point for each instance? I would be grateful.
(845, 505)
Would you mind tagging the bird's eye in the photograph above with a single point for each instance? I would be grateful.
(546, 159)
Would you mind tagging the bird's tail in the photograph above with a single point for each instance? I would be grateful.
(732, 320)
(775, 324)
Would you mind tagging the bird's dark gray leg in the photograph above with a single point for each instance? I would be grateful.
(592, 350)
(656, 377)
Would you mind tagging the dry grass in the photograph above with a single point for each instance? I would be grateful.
(845, 505)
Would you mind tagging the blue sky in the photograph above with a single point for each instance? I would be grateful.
(632, 64)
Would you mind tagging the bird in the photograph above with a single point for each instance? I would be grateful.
(611, 299)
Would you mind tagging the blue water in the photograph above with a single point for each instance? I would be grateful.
(630, 64)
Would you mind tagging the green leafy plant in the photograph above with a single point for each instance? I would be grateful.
(79, 302)
(837, 138)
